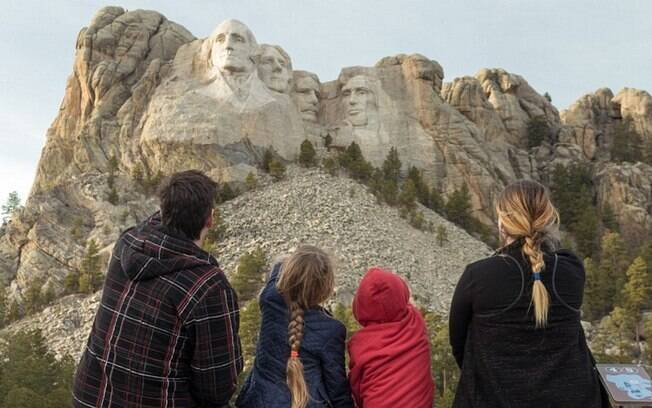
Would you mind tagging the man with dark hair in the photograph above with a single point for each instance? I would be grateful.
(166, 331)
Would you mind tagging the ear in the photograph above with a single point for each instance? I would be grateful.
(209, 221)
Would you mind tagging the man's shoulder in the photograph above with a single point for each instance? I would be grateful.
(201, 279)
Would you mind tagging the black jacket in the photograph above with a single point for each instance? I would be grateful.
(505, 361)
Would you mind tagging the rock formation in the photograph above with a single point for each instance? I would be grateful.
(146, 98)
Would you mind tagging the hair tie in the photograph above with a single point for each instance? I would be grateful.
(537, 276)
(294, 354)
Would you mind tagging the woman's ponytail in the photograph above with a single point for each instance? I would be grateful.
(540, 296)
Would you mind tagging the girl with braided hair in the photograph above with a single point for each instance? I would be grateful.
(515, 325)
(300, 352)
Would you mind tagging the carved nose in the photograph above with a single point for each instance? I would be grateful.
(313, 98)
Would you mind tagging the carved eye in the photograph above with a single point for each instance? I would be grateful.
(346, 92)
(238, 38)
(220, 38)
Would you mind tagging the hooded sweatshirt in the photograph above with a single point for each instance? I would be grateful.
(166, 329)
(390, 356)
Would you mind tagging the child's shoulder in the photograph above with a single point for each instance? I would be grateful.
(330, 324)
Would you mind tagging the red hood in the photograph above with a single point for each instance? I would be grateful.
(382, 297)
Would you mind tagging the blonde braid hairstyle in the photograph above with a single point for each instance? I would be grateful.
(525, 211)
(307, 280)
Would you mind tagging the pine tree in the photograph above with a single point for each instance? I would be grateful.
(645, 252)
(90, 277)
(354, 162)
(226, 193)
(33, 297)
(251, 181)
(408, 196)
(444, 368)
(635, 293)
(571, 190)
(71, 282)
(13, 204)
(266, 160)
(112, 167)
(585, 230)
(32, 377)
(344, 314)
(423, 191)
(538, 130)
(416, 219)
(3, 306)
(249, 275)
(328, 140)
(619, 325)
(330, 165)
(458, 207)
(611, 273)
(436, 202)
(648, 336)
(276, 170)
(609, 219)
(392, 166)
(49, 296)
(442, 235)
(307, 154)
(547, 96)
(249, 329)
(390, 192)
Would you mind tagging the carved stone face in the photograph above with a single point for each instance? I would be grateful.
(306, 95)
(274, 69)
(233, 49)
(358, 99)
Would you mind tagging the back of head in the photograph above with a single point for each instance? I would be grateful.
(186, 200)
(382, 297)
(307, 280)
(525, 212)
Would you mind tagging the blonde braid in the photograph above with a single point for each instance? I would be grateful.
(540, 296)
(295, 378)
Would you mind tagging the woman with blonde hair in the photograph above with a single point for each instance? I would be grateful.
(515, 316)
(300, 352)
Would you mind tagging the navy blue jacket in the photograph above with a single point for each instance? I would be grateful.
(322, 355)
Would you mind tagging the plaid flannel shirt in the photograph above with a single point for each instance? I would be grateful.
(166, 330)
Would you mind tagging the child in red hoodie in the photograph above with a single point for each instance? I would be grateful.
(390, 356)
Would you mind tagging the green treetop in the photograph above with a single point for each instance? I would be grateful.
(307, 154)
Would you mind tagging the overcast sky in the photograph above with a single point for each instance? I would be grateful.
(566, 48)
